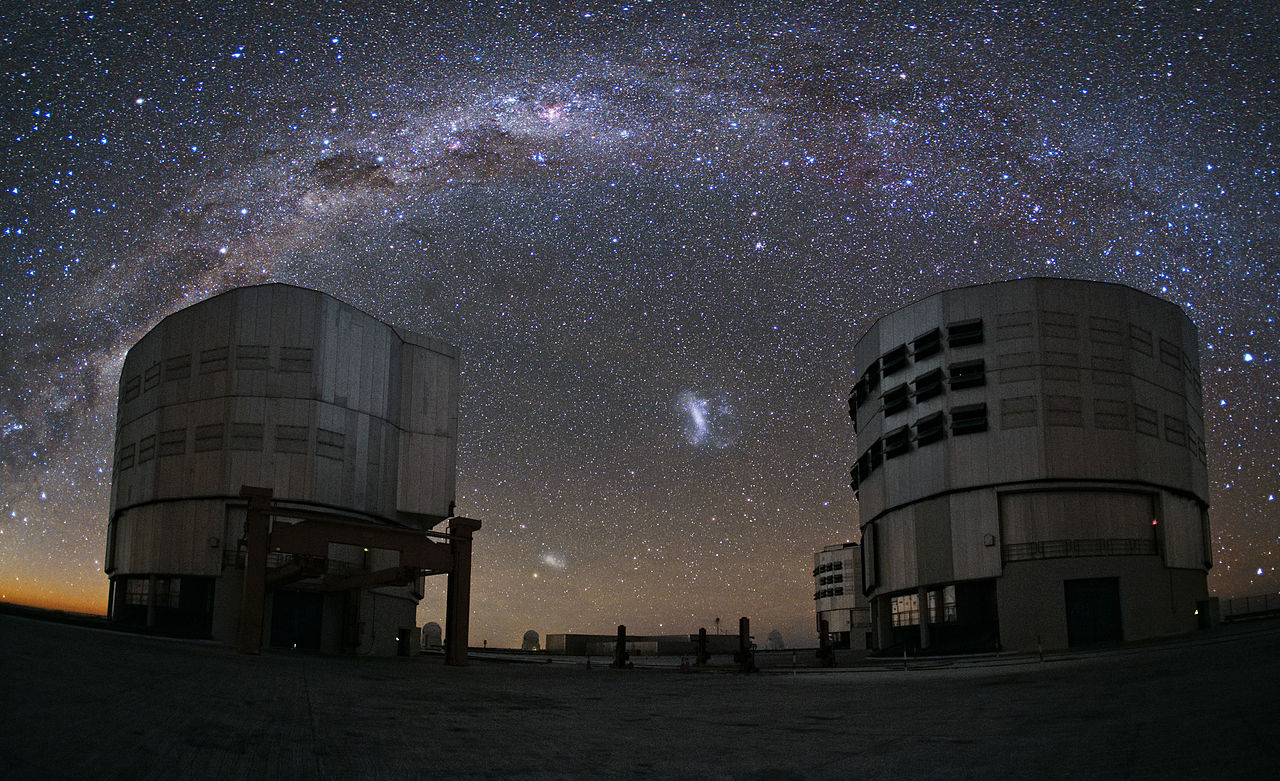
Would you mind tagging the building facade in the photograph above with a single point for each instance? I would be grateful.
(838, 598)
(1031, 468)
(281, 460)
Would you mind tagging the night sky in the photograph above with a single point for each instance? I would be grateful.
(655, 230)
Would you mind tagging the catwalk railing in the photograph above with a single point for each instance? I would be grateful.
(1255, 605)
(232, 559)
(1064, 549)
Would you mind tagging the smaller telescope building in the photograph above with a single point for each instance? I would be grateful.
(837, 596)
(1031, 468)
(281, 462)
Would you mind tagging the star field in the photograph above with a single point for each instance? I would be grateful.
(654, 229)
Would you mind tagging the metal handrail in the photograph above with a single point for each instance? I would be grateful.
(1251, 605)
(1063, 549)
(236, 559)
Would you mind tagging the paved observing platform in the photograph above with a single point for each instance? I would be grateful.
(84, 703)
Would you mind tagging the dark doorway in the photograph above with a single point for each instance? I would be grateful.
(1093, 611)
(194, 616)
(296, 617)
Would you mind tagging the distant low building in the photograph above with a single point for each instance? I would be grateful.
(837, 596)
(638, 645)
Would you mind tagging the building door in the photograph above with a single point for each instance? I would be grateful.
(1093, 611)
(296, 617)
(195, 615)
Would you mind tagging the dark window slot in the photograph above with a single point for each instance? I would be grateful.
(930, 429)
(897, 442)
(872, 376)
(928, 385)
(964, 333)
(970, 374)
(970, 419)
(926, 344)
(897, 399)
(894, 360)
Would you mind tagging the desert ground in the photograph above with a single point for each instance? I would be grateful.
(78, 702)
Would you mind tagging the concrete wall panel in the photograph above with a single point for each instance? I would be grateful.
(975, 535)
(933, 541)
(1182, 533)
(896, 550)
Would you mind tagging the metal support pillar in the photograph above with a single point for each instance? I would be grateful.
(458, 602)
(620, 655)
(253, 598)
(923, 613)
(152, 585)
(882, 621)
(745, 657)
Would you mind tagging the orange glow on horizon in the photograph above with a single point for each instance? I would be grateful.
(74, 602)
